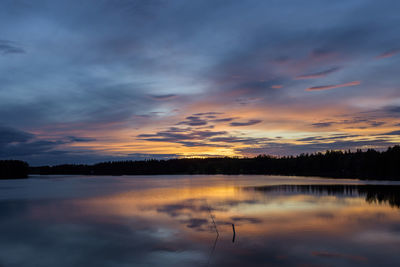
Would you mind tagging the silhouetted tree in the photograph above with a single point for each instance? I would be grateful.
(13, 169)
(369, 164)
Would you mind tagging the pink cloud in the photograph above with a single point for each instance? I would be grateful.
(317, 74)
(327, 87)
(390, 53)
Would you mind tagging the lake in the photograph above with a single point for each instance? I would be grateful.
(189, 221)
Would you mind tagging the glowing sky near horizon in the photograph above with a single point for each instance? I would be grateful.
(88, 81)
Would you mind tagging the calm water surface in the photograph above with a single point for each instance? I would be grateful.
(168, 221)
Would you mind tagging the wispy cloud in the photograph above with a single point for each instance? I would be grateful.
(8, 47)
(246, 123)
(322, 124)
(317, 74)
(328, 87)
(163, 97)
(389, 53)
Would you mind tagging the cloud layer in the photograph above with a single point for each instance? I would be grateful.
(157, 77)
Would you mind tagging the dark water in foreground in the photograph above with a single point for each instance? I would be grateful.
(168, 221)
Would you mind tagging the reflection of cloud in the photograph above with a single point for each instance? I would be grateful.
(246, 219)
(338, 255)
(196, 223)
(327, 87)
(187, 206)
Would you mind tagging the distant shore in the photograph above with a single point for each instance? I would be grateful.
(13, 169)
(368, 164)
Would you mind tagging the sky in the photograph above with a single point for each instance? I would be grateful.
(88, 81)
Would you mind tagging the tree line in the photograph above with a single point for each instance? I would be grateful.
(13, 169)
(369, 164)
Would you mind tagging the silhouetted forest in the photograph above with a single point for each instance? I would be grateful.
(368, 164)
(13, 169)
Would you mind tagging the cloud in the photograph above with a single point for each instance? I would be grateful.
(327, 87)
(163, 97)
(247, 123)
(389, 53)
(8, 47)
(317, 74)
(186, 136)
(322, 124)
(392, 133)
(17, 144)
(80, 139)
(208, 113)
(242, 140)
(327, 138)
(223, 120)
(10, 136)
(392, 110)
(193, 121)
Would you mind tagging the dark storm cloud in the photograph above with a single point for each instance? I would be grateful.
(246, 123)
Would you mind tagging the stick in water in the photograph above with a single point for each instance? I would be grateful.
(234, 233)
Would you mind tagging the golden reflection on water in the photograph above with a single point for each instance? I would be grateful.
(253, 213)
(321, 225)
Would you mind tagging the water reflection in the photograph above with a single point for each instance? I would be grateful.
(373, 193)
(189, 223)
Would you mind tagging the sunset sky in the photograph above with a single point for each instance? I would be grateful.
(88, 81)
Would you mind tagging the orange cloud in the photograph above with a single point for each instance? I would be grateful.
(327, 87)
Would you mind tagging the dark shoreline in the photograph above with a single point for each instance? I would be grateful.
(364, 165)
